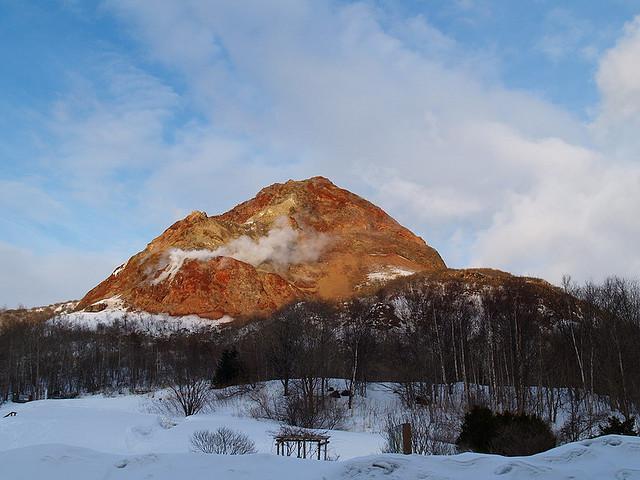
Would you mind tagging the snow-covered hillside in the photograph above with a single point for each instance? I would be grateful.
(122, 437)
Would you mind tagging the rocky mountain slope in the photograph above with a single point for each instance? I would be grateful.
(299, 240)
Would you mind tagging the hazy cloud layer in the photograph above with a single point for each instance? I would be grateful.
(29, 279)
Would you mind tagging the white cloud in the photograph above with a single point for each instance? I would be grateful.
(409, 119)
(30, 279)
(579, 217)
(389, 107)
(618, 79)
(580, 221)
(25, 200)
(429, 203)
(619, 75)
(566, 34)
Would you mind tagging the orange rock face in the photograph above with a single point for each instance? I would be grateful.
(300, 239)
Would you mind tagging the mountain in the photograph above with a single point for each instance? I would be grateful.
(304, 239)
(36, 314)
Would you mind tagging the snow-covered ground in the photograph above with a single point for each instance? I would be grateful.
(100, 437)
(127, 424)
(130, 424)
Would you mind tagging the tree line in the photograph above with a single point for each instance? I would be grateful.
(503, 347)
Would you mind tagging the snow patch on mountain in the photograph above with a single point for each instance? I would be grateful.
(119, 269)
(388, 273)
(142, 322)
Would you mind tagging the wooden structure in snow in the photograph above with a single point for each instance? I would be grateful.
(302, 443)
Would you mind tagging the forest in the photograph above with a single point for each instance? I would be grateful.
(502, 348)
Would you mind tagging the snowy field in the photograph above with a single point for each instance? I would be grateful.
(130, 424)
(121, 437)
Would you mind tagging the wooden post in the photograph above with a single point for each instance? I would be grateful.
(406, 439)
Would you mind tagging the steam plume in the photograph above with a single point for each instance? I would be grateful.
(282, 246)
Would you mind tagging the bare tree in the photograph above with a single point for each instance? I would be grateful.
(284, 344)
(187, 394)
(433, 432)
(358, 343)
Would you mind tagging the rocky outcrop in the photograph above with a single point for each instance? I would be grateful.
(296, 240)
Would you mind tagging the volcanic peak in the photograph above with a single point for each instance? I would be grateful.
(298, 239)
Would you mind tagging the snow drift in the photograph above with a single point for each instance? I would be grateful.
(611, 457)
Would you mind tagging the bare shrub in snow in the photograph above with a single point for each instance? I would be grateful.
(223, 441)
(186, 397)
(579, 426)
(313, 411)
(433, 432)
(235, 391)
(264, 405)
(298, 409)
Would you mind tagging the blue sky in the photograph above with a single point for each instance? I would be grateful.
(547, 47)
(501, 132)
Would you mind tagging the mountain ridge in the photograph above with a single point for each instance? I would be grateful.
(298, 240)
